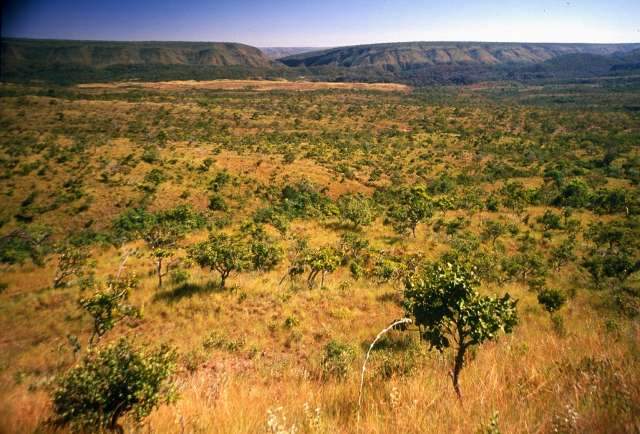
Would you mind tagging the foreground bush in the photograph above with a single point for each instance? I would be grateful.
(111, 383)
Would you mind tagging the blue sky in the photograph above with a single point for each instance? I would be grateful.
(325, 23)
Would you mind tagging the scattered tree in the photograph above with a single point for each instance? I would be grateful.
(72, 261)
(552, 299)
(412, 207)
(107, 306)
(162, 240)
(221, 253)
(449, 311)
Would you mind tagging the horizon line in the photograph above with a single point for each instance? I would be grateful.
(313, 46)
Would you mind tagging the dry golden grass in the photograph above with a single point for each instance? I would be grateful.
(254, 85)
(533, 378)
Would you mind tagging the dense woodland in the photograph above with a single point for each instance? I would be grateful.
(172, 259)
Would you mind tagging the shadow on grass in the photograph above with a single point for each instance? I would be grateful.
(187, 290)
(342, 226)
(391, 240)
(397, 340)
(394, 297)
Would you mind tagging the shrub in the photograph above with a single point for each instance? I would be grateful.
(552, 299)
(356, 210)
(179, 276)
(336, 360)
(217, 203)
(111, 383)
(151, 154)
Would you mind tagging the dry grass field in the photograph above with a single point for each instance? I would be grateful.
(252, 356)
(253, 85)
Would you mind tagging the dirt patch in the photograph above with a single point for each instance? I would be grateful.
(255, 85)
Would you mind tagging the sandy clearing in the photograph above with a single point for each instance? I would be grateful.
(257, 85)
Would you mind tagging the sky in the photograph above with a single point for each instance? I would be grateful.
(325, 23)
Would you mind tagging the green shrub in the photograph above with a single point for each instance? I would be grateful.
(111, 383)
(217, 203)
(552, 299)
(336, 360)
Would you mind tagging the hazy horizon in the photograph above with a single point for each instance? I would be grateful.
(285, 23)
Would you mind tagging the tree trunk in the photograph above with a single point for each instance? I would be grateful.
(113, 423)
(223, 279)
(457, 367)
(159, 272)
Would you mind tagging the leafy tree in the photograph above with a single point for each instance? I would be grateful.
(22, 244)
(356, 209)
(552, 299)
(352, 245)
(564, 253)
(528, 265)
(321, 261)
(612, 201)
(514, 196)
(576, 194)
(72, 261)
(162, 240)
(450, 312)
(389, 268)
(616, 251)
(265, 253)
(135, 222)
(550, 220)
(413, 206)
(493, 230)
(107, 306)
(111, 383)
(467, 249)
(221, 253)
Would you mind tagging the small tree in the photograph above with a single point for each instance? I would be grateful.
(265, 253)
(449, 311)
(162, 240)
(356, 209)
(321, 261)
(564, 253)
(552, 299)
(72, 261)
(336, 360)
(493, 230)
(413, 206)
(221, 253)
(616, 251)
(107, 306)
(111, 383)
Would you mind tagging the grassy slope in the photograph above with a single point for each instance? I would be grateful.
(530, 378)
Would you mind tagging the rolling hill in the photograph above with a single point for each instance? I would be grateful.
(414, 63)
(412, 55)
(26, 53)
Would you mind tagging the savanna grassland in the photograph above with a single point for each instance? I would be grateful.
(326, 205)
